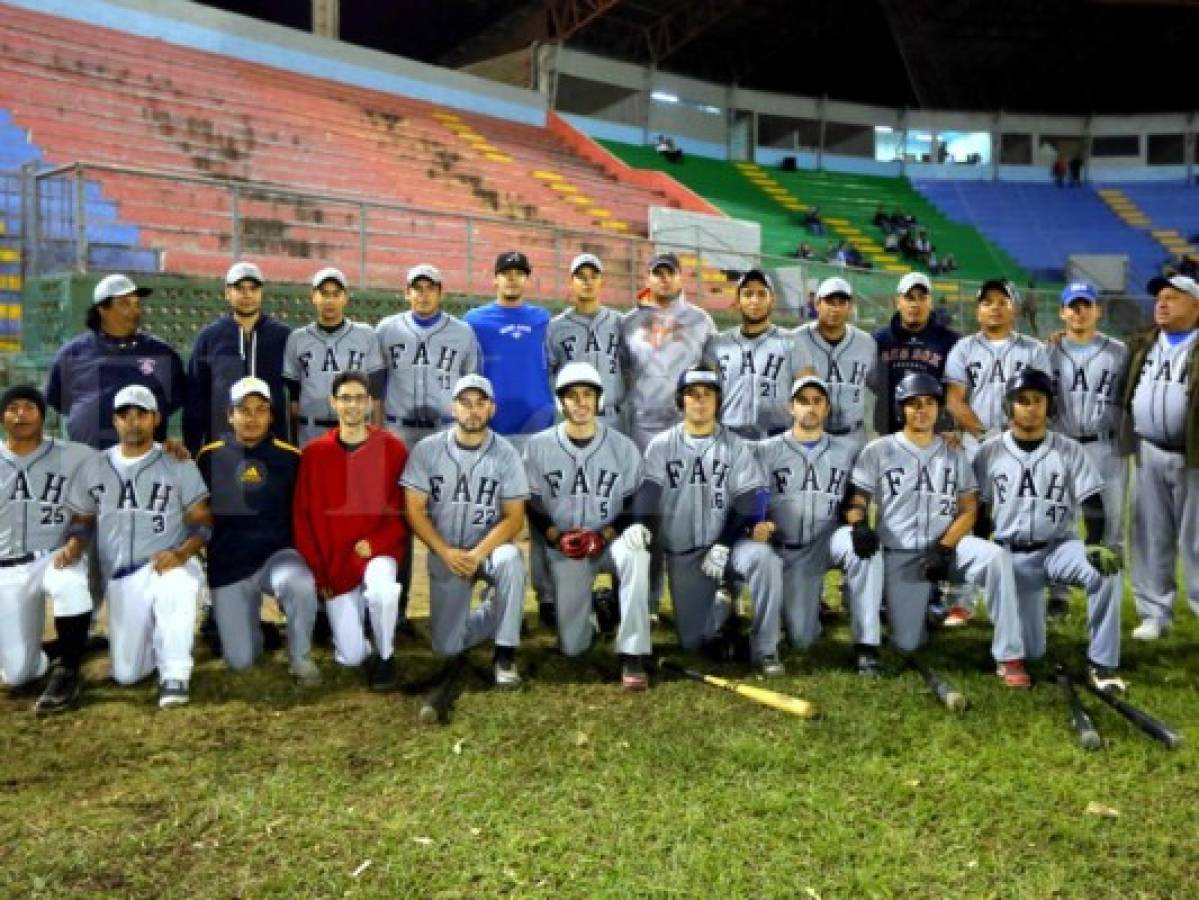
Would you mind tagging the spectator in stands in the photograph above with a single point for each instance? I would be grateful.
(882, 220)
(891, 242)
(1075, 171)
(933, 265)
(839, 255)
(243, 342)
(112, 354)
(854, 258)
(511, 335)
(811, 311)
(805, 251)
(813, 223)
(1058, 171)
(948, 264)
(668, 150)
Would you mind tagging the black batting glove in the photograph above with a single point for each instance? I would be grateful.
(865, 540)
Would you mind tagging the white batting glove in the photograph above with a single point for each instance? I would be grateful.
(636, 537)
(715, 561)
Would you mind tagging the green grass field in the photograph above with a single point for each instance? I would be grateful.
(571, 788)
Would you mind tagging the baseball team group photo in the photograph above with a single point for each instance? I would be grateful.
(416, 551)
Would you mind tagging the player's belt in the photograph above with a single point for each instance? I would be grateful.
(1024, 546)
(323, 423)
(17, 561)
(126, 571)
(841, 432)
(1092, 438)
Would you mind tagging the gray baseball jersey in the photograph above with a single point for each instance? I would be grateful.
(807, 486)
(661, 344)
(1033, 496)
(1089, 385)
(756, 374)
(915, 488)
(466, 487)
(573, 337)
(139, 508)
(1159, 403)
(984, 367)
(847, 367)
(701, 477)
(33, 496)
(314, 357)
(582, 487)
(423, 364)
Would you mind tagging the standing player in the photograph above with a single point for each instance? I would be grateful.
(842, 356)
(34, 472)
(1032, 483)
(914, 341)
(1088, 372)
(466, 491)
(664, 337)
(149, 513)
(757, 363)
(512, 337)
(975, 374)
(1161, 406)
(320, 351)
(251, 477)
(582, 478)
(590, 333)
(243, 342)
(425, 350)
(90, 369)
(347, 515)
(927, 501)
(808, 475)
(701, 496)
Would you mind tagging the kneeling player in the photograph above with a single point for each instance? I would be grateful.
(703, 487)
(927, 501)
(582, 475)
(466, 492)
(1032, 481)
(34, 472)
(807, 473)
(150, 515)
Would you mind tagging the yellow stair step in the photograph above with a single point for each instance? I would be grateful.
(599, 212)
(10, 256)
(614, 225)
(445, 116)
(563, 187)
(544, 175)
(895, 267)
(580, 199)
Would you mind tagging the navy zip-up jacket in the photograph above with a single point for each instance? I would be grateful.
(221, 355)
(901, 351)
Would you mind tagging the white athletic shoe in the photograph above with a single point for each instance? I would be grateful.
(172, 692)
(1148, 630)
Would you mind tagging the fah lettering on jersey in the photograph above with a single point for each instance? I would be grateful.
(601, 485)
(994, 374)
(676, 470)
(354, 360)
(1028, 489)
(810, 481)
(926, 481)
(446, 359)
(485, 492)
(1166, 370)
(770, 367)
(128, 498)
(857, 375)
(1104, 388)
(51, 489)
(570, 346)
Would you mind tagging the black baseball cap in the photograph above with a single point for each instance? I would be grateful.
(665, 259)
(755, 275)
(512, 259)
(996, 284)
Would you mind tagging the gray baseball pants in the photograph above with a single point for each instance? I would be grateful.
(455, 626)
(236, 607)
(1165, 516)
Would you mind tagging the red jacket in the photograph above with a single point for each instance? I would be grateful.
(342, 498)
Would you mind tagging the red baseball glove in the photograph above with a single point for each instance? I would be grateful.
(581, 544)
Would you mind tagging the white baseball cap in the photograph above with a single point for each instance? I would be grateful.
(244, 387)
(424, 270)
(804, 381)
(241, 270)
(586, 259)
(476, 383)
(117, 286)
(135, 395)
(911, 280)
(1179, 282)
(329, 274)
(834, 285)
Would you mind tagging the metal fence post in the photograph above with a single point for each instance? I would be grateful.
(80, 220)
(362, 245)
(470, 253)
(31, 221)
(235, 225)
(557, 260)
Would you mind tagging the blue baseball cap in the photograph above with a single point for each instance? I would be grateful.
(1079, 290)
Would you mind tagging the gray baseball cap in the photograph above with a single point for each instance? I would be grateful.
(135, 395)
(241, 270)
(586, 259)
(804, 381)
(476, 383)
(1178, 282)
(426, 271)
(117, 286)
(244, 387)
(912, 280)
(834, 285)
(330, 274)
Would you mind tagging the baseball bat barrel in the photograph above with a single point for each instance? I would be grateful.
(1155, 728)
(945, 692)
(795, 706)
(1080, 720)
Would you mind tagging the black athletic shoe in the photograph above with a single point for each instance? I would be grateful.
(383, 678)
(547, 615)
(405, 628)
(868, 663)
(61, 693)
(607, 611)
(1057, 609)
(272, 637)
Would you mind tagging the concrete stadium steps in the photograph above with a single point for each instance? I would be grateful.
(1168, 212)
(149, 104)
(1041, 224)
